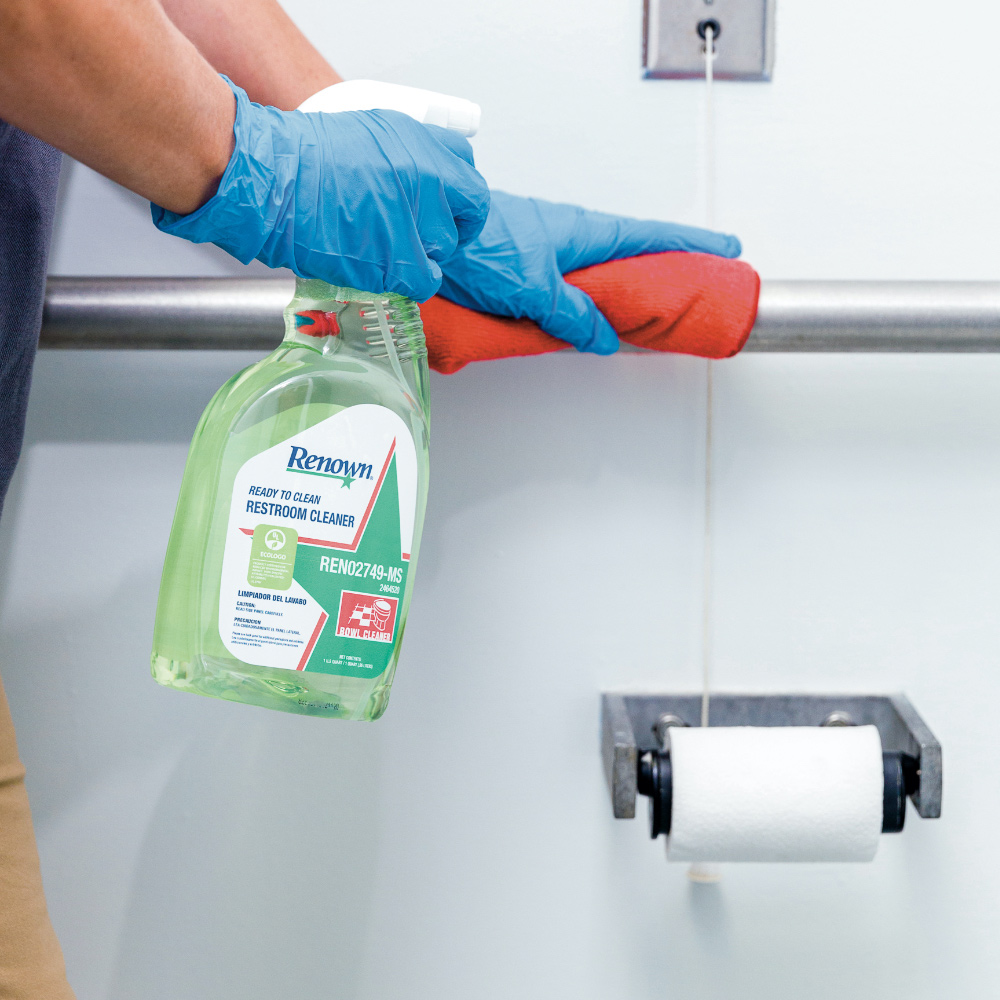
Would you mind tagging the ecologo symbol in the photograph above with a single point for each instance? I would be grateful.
(364, 616)
(329, 468)
(272, 557)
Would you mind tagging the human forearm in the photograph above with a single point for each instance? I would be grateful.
(257, 45)
(117, 86)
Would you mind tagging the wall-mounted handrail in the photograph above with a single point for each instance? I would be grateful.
(878, 316)
(171, 313)
(245, 314)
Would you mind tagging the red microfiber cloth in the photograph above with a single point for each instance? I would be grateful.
(685, 303)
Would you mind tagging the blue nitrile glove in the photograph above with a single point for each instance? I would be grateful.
(369, 199)
(515, 266)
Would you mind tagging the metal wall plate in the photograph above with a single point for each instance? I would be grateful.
(673, 49)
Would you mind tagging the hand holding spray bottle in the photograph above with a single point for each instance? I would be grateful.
(289, 570)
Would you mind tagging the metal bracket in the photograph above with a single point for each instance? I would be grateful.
(673, 41)
(628, 724)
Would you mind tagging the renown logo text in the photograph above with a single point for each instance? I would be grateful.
(319, 465)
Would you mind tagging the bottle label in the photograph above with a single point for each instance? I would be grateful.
(318, 546)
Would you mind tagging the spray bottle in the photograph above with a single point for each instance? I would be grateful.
(289, 570)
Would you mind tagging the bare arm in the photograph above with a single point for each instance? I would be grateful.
(116, 85)
(257, 45)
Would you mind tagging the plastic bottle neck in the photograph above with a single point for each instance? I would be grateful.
(315, 318)
(384, 329)
(326, 317)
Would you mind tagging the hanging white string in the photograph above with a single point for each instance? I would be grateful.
(706, 602)
(706, 594)
(701, 872)
(709, 128)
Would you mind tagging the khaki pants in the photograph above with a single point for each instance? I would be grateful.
(31, 962)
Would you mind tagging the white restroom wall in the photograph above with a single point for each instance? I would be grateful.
(463, 845)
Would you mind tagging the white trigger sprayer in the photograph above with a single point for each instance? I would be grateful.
(424, 106)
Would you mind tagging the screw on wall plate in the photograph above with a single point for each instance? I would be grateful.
(838, 718)
(665, 722)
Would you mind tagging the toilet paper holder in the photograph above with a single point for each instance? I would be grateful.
(634, 727)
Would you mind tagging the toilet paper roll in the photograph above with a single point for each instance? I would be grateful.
(775, 794)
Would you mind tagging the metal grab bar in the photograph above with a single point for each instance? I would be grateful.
(801, 316)
(173, 313)
(878, 316)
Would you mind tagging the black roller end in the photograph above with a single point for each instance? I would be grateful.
(894, 791)
(661, 791)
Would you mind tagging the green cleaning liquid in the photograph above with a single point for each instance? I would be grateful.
(290, 565)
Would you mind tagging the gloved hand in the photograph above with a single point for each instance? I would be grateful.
(368, 199)
(515, 266)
